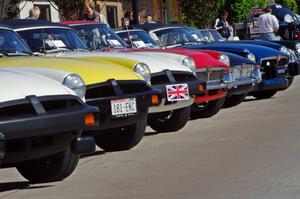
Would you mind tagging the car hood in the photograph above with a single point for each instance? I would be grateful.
(17, 85)
(256, 42)
(156, 63)
(259, 51)
(91, 72)
(234, 59)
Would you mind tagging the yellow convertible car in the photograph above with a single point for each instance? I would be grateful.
(122, 95)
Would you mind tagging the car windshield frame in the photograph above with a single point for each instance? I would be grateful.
(58, 38)
(105, 38)
(181, 36)
(11, 44)
(211, 35)
(139, 38)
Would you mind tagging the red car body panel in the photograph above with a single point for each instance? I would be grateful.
(202, 58)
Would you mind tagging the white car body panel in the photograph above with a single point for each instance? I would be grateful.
(156, 63)
(17, 84)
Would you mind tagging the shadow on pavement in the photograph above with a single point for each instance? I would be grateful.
(151, 133)
(96, 153)
(10, 186)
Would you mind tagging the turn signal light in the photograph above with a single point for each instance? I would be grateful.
(89, 119)
(201, 88)
(155, 100)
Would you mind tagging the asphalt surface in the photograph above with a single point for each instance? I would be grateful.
(250, 151)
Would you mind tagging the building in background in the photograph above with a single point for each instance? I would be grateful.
(49, 11)
(162, 11)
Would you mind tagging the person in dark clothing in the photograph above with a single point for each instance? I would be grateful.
(222, 25)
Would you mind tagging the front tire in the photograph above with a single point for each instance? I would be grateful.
(123, 138)
(205, 111)
(169, 121)
(51, 168)
(291, 80)
(234, 100)
(264, 94)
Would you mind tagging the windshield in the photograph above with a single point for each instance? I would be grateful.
(99, 36)
(43, 39)
(11, 43)
(173, 36)
(212, 35)
(139, 38)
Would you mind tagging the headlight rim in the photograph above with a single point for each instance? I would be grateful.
(79, 90)
(145, 66)
(224, 57)
(251, 57)
(192, 64)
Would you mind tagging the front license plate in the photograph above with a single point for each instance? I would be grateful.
(177, 92)
(123, 107)
(280, 71)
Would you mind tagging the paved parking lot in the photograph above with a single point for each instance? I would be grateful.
(250, 151)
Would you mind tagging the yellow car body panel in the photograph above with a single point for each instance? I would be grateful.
(127, 63)
(91, 71)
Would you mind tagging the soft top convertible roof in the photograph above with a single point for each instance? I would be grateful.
(27, 23)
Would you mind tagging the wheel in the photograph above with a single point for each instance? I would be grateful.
(264, 94)
(206, 110)
(51, 168)
(123, 138)
(234, 100)
(291, 80)
(169, 121)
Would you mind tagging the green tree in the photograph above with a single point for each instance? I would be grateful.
(200, 13)
(291, 4)
(239, 9)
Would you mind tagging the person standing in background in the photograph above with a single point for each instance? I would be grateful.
(89, 13)
(223, 26)
(34, 13)
(148, 19)
(268, 25)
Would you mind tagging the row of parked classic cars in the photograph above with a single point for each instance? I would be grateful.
(69, 87)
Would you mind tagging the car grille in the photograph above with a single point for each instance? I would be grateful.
(23, 108)
(269, 66)
(106, 89)
(164, 78)
(242, 71)
(211, 74)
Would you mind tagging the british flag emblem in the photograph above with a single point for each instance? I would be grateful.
(177, 92)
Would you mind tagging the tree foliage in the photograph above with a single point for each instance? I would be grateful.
(239, 9)
(291, 4)
(70, 9)
(200, 13)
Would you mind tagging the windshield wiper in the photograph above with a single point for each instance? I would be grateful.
(8, 53)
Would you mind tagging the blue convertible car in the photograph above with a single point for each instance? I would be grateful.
(291, 48)
(273, 63)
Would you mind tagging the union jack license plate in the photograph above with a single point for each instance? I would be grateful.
(177, 92)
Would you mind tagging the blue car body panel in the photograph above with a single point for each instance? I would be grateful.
(260, 52)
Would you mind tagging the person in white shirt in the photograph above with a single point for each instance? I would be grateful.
(268, 25)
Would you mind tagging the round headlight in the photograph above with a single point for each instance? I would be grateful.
(189, 62)
(285, 50)
(75, 83)
(251, 57)
(224, 59)
(143, 70)
(298, 48)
